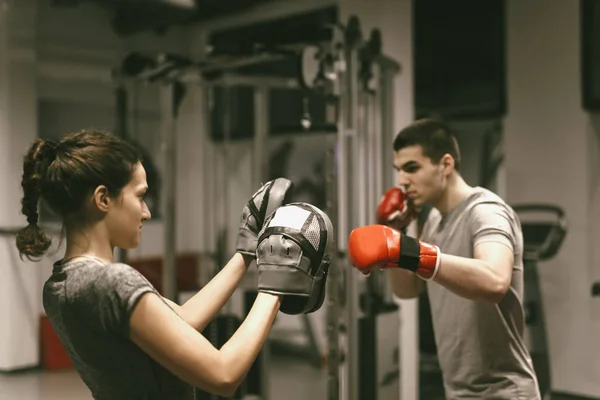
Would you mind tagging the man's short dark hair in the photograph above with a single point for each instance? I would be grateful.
(434, 136)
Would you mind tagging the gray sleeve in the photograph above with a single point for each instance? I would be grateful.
(491, 222)
(110, 299)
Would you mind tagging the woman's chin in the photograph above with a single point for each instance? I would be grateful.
(129, 245)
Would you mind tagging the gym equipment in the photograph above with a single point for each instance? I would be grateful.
(357, 80)
(362, 329)
(543, 237)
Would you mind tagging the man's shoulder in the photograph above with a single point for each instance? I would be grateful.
(483, 195)
(484, 200)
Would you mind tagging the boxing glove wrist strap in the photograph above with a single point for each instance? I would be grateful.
(418, 257)
(410, 253)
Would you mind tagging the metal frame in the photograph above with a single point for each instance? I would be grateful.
(356, 176)
(260, 172)
(365, 117)
(169, 132)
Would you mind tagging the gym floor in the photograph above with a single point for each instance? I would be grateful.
(289, 379)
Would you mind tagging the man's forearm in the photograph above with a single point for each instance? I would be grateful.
(405, 284)
(470, 278)
(205, 304)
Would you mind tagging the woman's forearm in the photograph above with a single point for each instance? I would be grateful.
(204, 305)
(240, 351)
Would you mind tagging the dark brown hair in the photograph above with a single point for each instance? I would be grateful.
(64, 173)
(434, 136)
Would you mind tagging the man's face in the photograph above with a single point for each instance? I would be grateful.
(423, 181)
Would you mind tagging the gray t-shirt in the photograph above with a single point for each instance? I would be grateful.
(89, 305)
(481, 347)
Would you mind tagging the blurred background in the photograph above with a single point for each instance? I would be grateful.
(225, 95)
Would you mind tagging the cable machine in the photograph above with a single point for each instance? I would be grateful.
(358, 80)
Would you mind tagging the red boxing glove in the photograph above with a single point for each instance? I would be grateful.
(378, 246)
(394, 209)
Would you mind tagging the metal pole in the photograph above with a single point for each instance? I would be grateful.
(354, 217)
(209, 178)
(228, 115)
(378, 160)
(334, 178)
(121, 131)
(260, 175)
(362, 156)
(385, 97)
(386, 101)
(378, 163)
(260, 170)
(333, 283)
(343, 221)
(169, 215)
(210, 171)
(230, 79)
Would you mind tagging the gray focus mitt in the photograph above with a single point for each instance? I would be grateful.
(267, 199)
(293, 257)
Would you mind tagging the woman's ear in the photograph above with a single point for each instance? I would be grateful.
(101, 198)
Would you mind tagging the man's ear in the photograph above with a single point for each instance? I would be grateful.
(101, 198)
(447, 163)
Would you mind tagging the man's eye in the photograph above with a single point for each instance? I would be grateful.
(411, 169)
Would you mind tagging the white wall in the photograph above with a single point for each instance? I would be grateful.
(19, 294)
(551, 148)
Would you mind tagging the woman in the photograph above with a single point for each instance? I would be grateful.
(125, 340)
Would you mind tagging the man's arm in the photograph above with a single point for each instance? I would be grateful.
(405, 284)
(485, 277)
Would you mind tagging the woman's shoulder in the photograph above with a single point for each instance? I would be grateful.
(104, 294)
(94, 276)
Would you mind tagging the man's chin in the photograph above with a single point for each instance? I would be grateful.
(416, 202)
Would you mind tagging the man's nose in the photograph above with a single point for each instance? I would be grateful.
(402, 179)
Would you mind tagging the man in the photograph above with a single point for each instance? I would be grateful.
(470, 254)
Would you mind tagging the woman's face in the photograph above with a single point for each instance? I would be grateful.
(128, 212)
